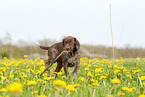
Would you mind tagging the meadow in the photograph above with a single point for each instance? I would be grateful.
(96, 78)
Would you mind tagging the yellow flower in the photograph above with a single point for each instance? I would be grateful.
(117, 61)
(86, 68)
(92, 80)
(48, 78)
(2, 69)
(42, 68)
(82, 79)
(129, 76)
(109, 96)
(75, 85)
(142, 77)
(115, 81)
(98, 70)
(3, 89)
(25, 56)
(24, 75)
(59, 73)
(116, 71)
(44, 82)
(15, 87)
(60, 83)
(97, 74)
(95, 84)
(141, 95)
(57, 88)
(95, 65)
(121, 94)
(130, 90)
(38, 80)
(34, 92)
(70, 88)
(45, 74)
(125, 88)
(42, 96)
(137, 58)
(90, 74)
(11, 75)
(31, 83)
(4, 78)
(102, 77)
(115, 66)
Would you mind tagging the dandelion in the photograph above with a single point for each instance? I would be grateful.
(92, 80)
(115, 66)
(76, 85)
(121, 94)
(15, 87)
(129, 76)
(95, 65)
(59, 73)
(95, 84)
(102, 77)
(60, 83)
(70, 88)
(31, 83)
(34, 92)
(116, 81)
(25, 56)
(82, 79)
(42, 68)
(90, 74)
(142, 77)
(48, 78)
(11, 75)
(137, 58)
(89, 65)
(3, 78)
(3, 89)
(141, 95)
(109, 96)
(116, 71)
(44, 82)
(97, 74)
(98, 70)
(117, 61)
(130, 90)
(125, 88)
(86, 68)
(42, 96)
(38, 80)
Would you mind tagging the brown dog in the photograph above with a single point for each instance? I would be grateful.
(70, 59)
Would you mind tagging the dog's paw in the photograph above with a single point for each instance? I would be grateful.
(37, 43)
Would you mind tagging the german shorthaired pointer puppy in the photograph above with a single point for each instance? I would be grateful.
(70, 59)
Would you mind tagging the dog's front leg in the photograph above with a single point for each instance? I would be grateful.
(76, 68)
(65, 66)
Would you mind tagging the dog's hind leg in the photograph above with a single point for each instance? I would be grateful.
(58, 68)
(47, 63)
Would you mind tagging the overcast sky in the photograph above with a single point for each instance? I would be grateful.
(87, 20)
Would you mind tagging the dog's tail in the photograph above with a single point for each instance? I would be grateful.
(42, 47)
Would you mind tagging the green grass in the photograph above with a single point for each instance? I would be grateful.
(126, 72)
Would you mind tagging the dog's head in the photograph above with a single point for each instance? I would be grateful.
(71, 44)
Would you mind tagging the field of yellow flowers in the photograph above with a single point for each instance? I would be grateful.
(96, 78)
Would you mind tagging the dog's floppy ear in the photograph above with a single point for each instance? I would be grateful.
(76, 44)
(63, 42)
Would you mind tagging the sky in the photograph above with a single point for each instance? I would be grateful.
(87, 20)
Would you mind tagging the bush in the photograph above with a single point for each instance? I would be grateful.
(5, 54)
